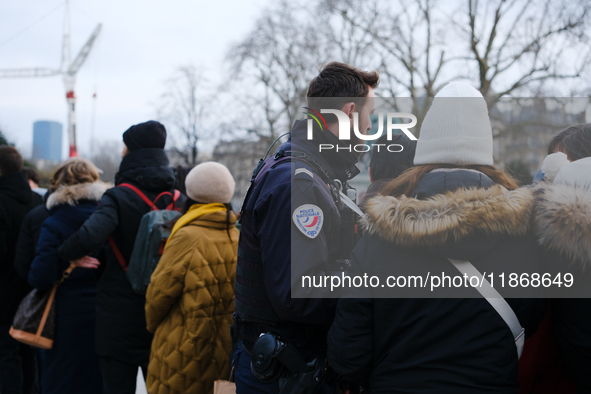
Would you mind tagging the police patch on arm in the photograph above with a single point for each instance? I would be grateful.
(308, 219)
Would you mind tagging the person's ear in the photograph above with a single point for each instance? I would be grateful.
(348, 109)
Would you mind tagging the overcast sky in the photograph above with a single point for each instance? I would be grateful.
(140, 45)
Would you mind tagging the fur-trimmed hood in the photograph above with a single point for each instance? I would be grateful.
(562, 221)
(72, 194)
(452, 216)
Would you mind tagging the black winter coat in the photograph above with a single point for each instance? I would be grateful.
(16, 200)
(120, 319)
(27, 240)
(440, 344)
(563, 227)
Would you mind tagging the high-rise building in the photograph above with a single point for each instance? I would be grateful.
(47, 140)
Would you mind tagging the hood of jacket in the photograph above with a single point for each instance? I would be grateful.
(562, 220)
(147, 168)
(71, 195)
(17, 187)
(339, 165)
(461, 222)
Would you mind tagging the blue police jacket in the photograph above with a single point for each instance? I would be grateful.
(290, 229)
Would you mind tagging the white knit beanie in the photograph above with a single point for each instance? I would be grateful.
(456, 129)
(552, 164)
(210, 182)
(577, 173)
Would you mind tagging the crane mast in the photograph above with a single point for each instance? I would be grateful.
(68, 70)
(69, 83)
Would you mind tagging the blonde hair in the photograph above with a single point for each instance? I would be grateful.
(74, 171)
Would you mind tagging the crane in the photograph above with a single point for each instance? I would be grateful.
(67, 70)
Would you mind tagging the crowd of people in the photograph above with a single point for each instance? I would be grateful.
(218, 302)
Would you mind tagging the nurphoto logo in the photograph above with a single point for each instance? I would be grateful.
(345, 129)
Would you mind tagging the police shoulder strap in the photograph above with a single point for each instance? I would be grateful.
(338, 197)
(496, 300)
(351, 204)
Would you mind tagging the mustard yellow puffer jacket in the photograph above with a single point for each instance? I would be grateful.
(189, 306)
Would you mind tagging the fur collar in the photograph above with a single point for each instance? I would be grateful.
(72, 194)
(451, 216)
(563, 220)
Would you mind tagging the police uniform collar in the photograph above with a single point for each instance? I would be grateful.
(338, 165)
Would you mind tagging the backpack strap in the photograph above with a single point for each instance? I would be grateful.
(142, 195)
(497, 301)
(153, 207)
(118, 254)
(112, 243)
(172, 206)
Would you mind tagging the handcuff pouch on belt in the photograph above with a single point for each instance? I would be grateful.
(273, 360)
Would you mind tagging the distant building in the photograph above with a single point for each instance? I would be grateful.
(47, 140)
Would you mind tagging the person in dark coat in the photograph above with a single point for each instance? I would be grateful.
(563, 228)
(122, 340)
(71, 365)
(28, 239)
(388, 160)
(450, 340)
(25, 254)
(17, 363)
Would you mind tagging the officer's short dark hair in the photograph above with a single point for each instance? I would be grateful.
(342, 80)
(339, 82)
(577, 144)
(389, 165)
(11, 161)
(31, 174)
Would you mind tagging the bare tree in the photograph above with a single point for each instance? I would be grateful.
(503, 47)
(183, 109)
(283, 53)
(405, 39)
(506, 47)
(518, 44)
(278, 57)
(407, 42)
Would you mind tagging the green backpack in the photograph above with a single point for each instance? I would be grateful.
(150, 240)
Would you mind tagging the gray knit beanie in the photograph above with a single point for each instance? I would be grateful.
(210, 182)
(456, 129)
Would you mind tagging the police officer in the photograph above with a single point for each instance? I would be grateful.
(291, 227)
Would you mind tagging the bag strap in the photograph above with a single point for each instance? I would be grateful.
(152, 204)
(58, 282)
(172, 206)
(231, 377)
(118, 254)
(137, 191)
(177, 195)
(65, 275)
(496, 300)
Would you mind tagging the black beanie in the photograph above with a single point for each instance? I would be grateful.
(150, 134)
